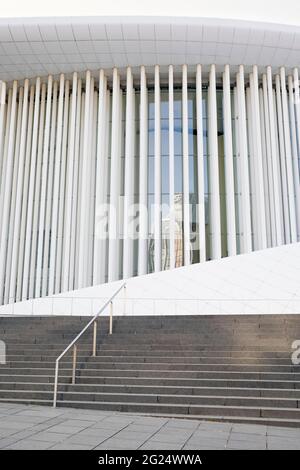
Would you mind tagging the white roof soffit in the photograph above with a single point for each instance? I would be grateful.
(31, 47)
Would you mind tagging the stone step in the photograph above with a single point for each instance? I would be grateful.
(152, 358)
(100, 365)
(158, 390)
(163, 399)
(179, 374)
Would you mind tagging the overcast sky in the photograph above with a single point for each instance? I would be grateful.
(276, 11)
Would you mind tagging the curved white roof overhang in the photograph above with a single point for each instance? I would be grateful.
(31, 47)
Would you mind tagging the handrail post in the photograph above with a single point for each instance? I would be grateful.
(55, 383)
(74, 364)
(110, 318)
(94, 338)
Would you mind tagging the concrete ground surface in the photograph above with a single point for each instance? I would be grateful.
(36, 427)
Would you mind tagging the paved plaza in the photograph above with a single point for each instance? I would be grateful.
(36, 427)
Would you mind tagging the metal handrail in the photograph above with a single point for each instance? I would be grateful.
(73, 343)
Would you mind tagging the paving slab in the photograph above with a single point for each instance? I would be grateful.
(30, 427)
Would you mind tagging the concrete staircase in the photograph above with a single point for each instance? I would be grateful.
(234, 368)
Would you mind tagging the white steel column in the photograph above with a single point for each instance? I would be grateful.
(297, 106)
(200, 167)
(281, 151)
(101, 183)
(143, 181)
(288, 156)
(5, 148)
(215, 221)
(274, 160)
(25, 195)
(249, 119)
(55, 202)
(258, 163)
(294, 152)
(78, 195)
(157, 172)
(42, 206)
(74, 207)
(228, 154)
(69, 186)
(171, 170)
(36, 199)
(84, 212)
(7, 181)
(45, 268)
(18, 209)
(246, 238)
(2, 123)
(14, 190)
(129, 177)
(185, 162)
(113, 249)
(92, 175)
(31, 192)
(61, 214)
(265, 165)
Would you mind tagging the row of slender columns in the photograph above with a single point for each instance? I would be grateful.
(61, 175)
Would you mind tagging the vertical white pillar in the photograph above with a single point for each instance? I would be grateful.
(31, 192)
(43, 199)
(25, 192)
(2, 123)
(185, 162)
(157, 172)
(297, 106)
(228, 154)
(69, 186)
(101, 183)
(55, 202)
(281, 150)
(200, 166)
(269, 171)
(84, 212)
(75, 205)
(129, 177)
(265, 165)
(36, 199)
(45, 268)
(14, 190)
(4, 153)
(143, 173)
(171, 169)
(288, 156)
(274, 160)
(93, 145)
(258, 163)
(215, 222)
(61, 214)
(294, 152)
(113, 249)
(250, 130)
(8, 179)
(18, 210)
(79, 189)
(279, 169)
(246, 238)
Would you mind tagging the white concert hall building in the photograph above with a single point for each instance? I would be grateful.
(135, 145)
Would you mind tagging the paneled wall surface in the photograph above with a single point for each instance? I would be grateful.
(110, 175)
